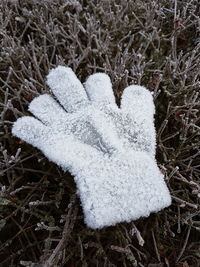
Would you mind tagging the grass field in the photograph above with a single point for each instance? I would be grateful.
(152, 43)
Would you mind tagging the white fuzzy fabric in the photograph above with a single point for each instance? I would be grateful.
(109, 150)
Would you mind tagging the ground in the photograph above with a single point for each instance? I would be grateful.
(152, 43)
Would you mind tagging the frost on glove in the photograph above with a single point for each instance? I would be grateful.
(110, 151)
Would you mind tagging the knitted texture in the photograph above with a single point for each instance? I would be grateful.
(109, 150)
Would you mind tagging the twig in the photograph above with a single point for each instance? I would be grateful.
(69, 223)
(183, 202)
(185, 243)
(155, 246)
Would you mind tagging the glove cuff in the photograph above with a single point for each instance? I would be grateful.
(122, 189)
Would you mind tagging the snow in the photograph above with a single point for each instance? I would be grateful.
(109, 150)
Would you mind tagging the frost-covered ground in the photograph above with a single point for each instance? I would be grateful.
(151, 43)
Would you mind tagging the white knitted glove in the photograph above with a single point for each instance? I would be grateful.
(109, 150)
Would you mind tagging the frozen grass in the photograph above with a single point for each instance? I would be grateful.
(153, 43)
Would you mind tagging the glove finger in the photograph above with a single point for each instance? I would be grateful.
(99, 88)
(139, 101)
(67, 88)
(72, 154)
(30, 130)
(138, 107)
(46, 109)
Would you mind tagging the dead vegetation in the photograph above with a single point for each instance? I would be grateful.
(153, 43)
